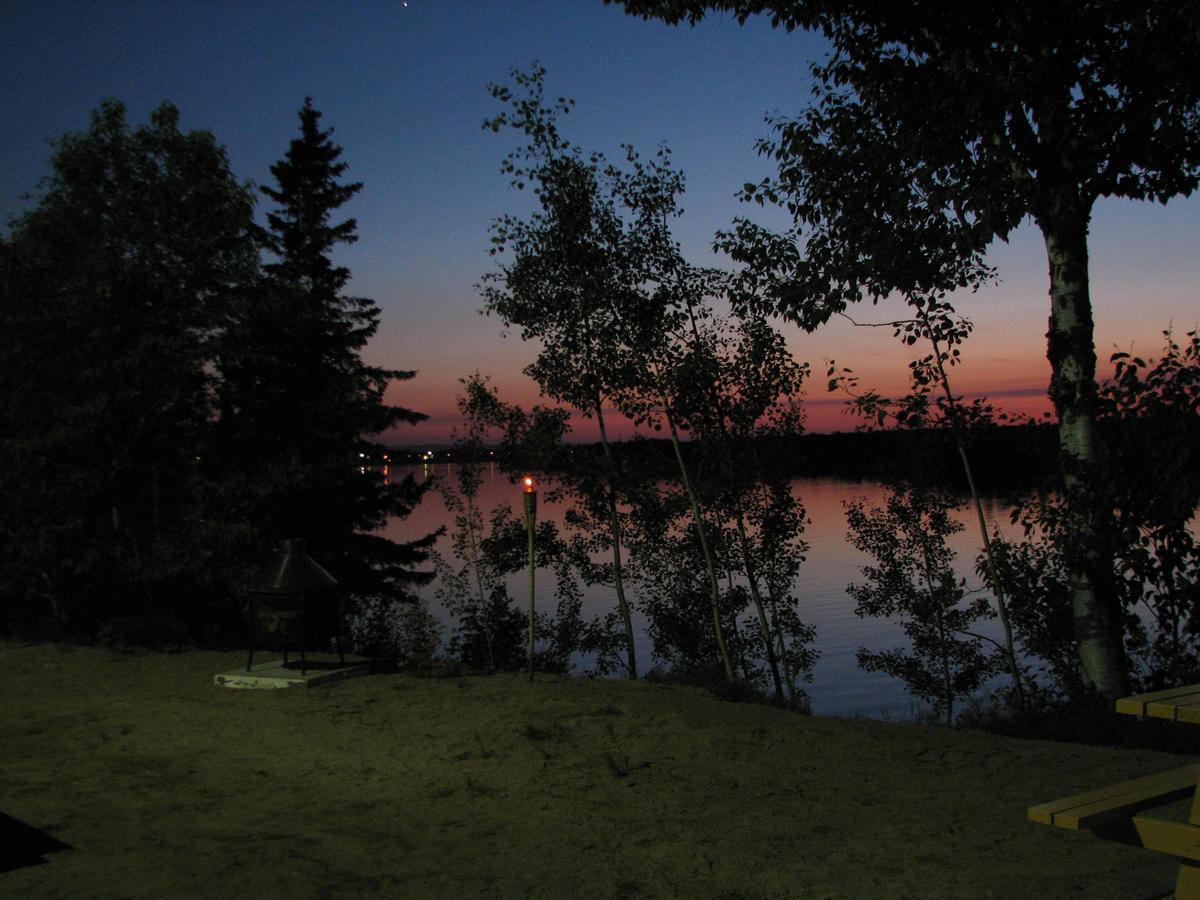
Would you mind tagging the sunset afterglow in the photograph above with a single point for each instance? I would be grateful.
(405, 91)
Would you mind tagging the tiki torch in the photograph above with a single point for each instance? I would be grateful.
(530, 517)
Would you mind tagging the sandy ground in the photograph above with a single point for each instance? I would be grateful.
(397, 786)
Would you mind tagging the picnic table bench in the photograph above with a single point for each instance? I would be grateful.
(1117, 812)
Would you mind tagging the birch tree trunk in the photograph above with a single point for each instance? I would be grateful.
(1072, 355)
(752, 579)
(1010, 651)
(714, 587)
(614, 519)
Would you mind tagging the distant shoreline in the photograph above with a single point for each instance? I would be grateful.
(1003, 458)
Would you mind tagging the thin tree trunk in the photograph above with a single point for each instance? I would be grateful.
(939, 612)
(1072, 355)
(993, 571)
(764, 627)
(777, 635)
(615, 528)
(789, 677)
(483, 611)
(714, 587)
(744, 544)
(948, 686)
(52, 598)
(747, 674)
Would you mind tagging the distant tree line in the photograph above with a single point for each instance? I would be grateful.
(1011, 458)
(181, 387)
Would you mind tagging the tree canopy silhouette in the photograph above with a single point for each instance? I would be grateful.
(169, 405)
(114, 289)
(960, 121)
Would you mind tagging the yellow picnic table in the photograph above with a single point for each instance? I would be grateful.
(1115, 812)
(1181, 704)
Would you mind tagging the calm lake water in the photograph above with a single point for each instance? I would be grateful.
(839, 687)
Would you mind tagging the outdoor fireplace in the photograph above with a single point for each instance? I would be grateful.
(288, 597)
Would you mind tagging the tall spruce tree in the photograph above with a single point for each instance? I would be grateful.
(299, 404)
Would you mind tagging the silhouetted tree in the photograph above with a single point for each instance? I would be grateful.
(598, 278)
(558, 287)
(912, 580)
(298, 403)
(736, 382)
(475, 590)
(660, 289)
(1150, 419)
(996, 112)
(461, 501)
(115, 287)
(777, 519)
(665, 557)
(933, 405)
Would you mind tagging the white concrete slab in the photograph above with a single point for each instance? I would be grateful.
(273, 674)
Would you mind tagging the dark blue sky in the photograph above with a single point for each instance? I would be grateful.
(405, 89)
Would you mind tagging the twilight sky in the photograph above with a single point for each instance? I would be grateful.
(404, 86)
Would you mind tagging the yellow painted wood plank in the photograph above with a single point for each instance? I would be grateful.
(1169, 709)
(1187, 884)
(1168, 836)
(1041, 814)
(1136, 705)
(1188, 713)
(1181, 775)
(1117, 800)
(1089, 815)
(1131, 706)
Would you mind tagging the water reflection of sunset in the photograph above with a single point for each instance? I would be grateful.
(839, 687)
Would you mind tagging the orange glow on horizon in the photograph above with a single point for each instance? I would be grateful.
(1009, 369)
(1012, 375)
(824, 414)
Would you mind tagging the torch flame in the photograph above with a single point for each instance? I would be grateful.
(528, 480)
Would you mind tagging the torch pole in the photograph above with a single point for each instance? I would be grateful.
(530, 518)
